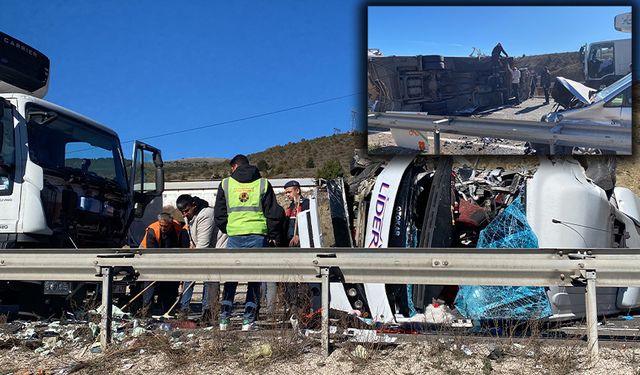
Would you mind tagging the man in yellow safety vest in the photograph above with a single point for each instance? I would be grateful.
(246, 209)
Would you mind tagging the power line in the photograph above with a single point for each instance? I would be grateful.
(264, 114)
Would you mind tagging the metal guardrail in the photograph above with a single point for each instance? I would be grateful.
(613, 138)
(527, 267)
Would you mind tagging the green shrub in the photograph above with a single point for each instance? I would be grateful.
(330, 169)
(310, 163)
(262, 165)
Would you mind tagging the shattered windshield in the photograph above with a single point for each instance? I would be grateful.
(68, 145)
(616, 86)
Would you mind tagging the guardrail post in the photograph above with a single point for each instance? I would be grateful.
(105, 324)
(592, 315)
(324, 275)
(436, 142)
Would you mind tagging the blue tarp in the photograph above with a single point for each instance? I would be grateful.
(508, 230)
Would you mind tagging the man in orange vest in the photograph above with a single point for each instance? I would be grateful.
(165, 233)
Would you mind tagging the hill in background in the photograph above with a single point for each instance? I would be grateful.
(299, 159)
(566, 64)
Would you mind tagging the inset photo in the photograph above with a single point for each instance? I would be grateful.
(499, 80)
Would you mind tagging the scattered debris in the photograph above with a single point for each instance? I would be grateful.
(508, 230)
(116, 312)
(360, 352)
(496, 354)
(263, 350)
(95, 348)
(368, 335)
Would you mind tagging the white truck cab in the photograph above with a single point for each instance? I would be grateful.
(605, 62)
(64, 181)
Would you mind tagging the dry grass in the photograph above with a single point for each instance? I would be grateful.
(452, 352)
(288, 160)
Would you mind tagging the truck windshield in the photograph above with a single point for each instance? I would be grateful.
(64, 144)
(601, 60)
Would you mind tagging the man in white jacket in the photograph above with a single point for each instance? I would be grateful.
(203, 233)
(515, 82)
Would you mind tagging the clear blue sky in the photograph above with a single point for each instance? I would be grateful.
(455, 30)
(146, 67)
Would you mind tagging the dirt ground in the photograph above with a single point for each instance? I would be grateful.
(382, 143)
(281, 352)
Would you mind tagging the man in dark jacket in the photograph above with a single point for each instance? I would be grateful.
(495, 57)
(202, 234)
(246, 209)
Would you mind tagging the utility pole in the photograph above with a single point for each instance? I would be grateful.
(353, 120)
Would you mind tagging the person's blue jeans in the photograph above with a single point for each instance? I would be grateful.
(253, 289)
(147, 296)
(185, 301)
(270, 293)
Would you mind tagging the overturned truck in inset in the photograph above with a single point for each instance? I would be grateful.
(442, 85)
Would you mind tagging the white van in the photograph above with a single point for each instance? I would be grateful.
(610, 106)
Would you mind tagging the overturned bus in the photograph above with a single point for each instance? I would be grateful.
(441, 85)
(439, 203)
